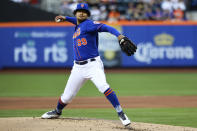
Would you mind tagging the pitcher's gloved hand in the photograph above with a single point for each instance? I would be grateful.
(127, 46)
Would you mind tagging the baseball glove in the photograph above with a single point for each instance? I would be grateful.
(127, 46)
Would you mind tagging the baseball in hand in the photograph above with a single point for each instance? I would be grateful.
(58, 20)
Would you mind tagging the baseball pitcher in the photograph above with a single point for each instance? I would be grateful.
(87, 62)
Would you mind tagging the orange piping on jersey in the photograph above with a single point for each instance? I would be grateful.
(78, 51)
(75, 51)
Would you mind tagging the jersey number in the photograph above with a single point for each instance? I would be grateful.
(81, 41)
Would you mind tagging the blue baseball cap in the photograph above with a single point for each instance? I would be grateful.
(82, 6)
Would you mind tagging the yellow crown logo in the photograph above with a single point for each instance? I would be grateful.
(164, 39)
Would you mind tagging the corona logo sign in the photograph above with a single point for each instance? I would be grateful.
(164, 39)
(163, 48)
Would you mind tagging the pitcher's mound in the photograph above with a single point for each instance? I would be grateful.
(80, 124)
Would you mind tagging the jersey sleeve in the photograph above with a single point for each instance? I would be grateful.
(93, 26)
(71, 20)
(106, 28)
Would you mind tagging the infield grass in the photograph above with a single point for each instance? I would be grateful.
(142, 84)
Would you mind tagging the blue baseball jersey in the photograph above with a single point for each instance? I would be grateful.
(85, 38)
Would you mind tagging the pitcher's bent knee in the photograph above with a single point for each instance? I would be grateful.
(103, 88)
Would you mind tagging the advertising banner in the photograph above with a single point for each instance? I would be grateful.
(36, 47)
(158, 46)
(162, 46)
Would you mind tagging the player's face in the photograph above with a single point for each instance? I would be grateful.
(81, 15)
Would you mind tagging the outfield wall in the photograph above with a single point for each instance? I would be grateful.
(49, 44)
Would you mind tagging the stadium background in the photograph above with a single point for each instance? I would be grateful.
(163, 40)
(36, 58)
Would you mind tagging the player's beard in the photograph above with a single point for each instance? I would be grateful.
(81, 19)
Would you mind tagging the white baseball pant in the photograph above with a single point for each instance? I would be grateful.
(93, 70)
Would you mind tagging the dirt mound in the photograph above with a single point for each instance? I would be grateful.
(80, 124)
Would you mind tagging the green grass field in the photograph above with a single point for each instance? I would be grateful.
(137, 84)
(146, 84)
